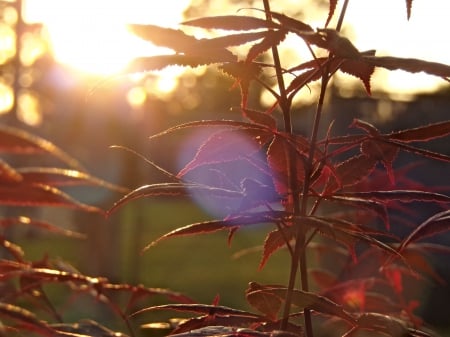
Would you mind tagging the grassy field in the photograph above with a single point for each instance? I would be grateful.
(200, 267)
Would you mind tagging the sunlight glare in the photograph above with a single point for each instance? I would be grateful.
(92, 36)
(382, 25)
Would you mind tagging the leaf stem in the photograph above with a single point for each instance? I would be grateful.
(299, 253)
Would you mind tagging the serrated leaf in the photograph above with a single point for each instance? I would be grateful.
(13, 249)
(231, 22)
(28, 321)
(436, 224)
(25, 194)
(397, 195)
(408, 8)
(17, 141)
(64, 177)
(84, 328)
(274, 241)
(195, 229)
(331, 9)
(272, 39)
(265, 302)
(228, 145)
(304, 300)
(359, 69)
(231, 223)
(352, 171)
(7, 222)
(201, 309)
(386, 153)
(152, 63)
(363, 203)
(338, 45)
(277, 157)
(409, 64)
(171, 189)
(383, 323)
(347, 232)
(260, 118)
(9, 175)
(422, 133)
(222, 42)
(291, 23)
(164, 37)
(213, 123)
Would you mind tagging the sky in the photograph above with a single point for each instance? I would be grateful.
(91, 35)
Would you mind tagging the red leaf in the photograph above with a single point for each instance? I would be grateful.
(63, 177)
(338, 45)
(24, 194)
(231, 22)
(18, 141)
(436, 224)
(302, 299)
(9, 175)
(165, 37)
(383, 152)
(223, 42)
(195, 229)
(272, 38)
(352, 171)
(265, 302)
(7, 222)
(260, 118)
(274, 241)
(359, 69)
(398, 195)
(291, 23)
(151, 63)
(331, 10)
(409, 64)
(277, 155)
(171, 189)
(228, 145)
(13, 249)
(201, 309)
(408, 8)
(230, 223)
(212, 123)
(27, 319)
(422, 133)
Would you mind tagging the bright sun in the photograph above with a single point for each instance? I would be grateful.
(92, 36)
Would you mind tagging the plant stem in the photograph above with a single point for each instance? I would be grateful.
(298, 255)
(301, 205)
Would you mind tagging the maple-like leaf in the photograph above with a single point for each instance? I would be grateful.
(331, 9)
(22, 220)
(272, 39)
(31, 194)
(411, 65)
(423, 133)
(438, 223)
(17, 141)
(228, 145)
(231, 22)
(408, 8)
(63, 177)
(260, 118)
(152, 63)
(264, 296)
(172, 189)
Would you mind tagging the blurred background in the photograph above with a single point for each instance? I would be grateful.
(62, 77)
